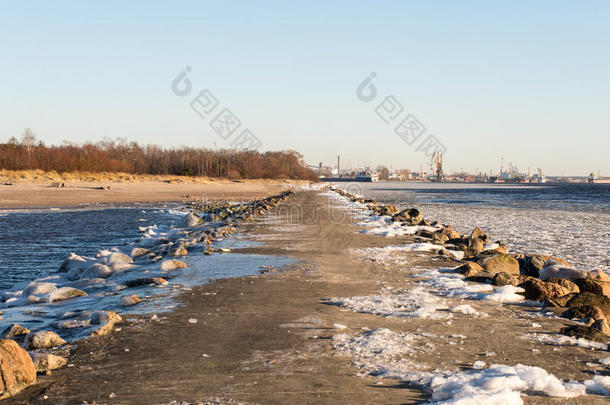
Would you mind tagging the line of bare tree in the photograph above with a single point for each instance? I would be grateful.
(119, 155)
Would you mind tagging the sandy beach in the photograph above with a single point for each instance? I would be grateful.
(82, 193)
(279, 337)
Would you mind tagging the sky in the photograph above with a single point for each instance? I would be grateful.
(524, 81)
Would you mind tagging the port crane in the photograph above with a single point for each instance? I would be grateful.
(437, 167)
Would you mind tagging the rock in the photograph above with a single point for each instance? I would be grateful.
(424, 222)
(502, 279)
(42, 340)
(388, 210)
(451, 232)
(44, 362)
(36, 288)
(107, 320)
(130, 300)
(14, 331)
(567, 284)
(469, 269)
(192, 219)
(593, 286)
(475, 245)
(71, 262)
(145, 281)
(541, 290)
(559, 301)
(587, 298)
(452, 254)
(97, 270)
(587, 332)
(557, 271)
(138, 251)
(439, 237)
(599, 275)
(415, 215)
(16, 368)
(64, 293)
(477, 233)
(531, 265)
(550, 260)
(172, 265)
(117, 258)
(179, 251)
(602, 325)
(500, 263)
(584, 311)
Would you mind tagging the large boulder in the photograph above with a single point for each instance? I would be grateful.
(540, 290)
(138, 251)
(117, 259)
(106, 320)
(16, 368)
(558, 271)
(172, 265)
(64, 293)
(587, 298)
(593, 286)
(44, 362)
(531, 265)
(599, 275)
(567, 284)
(14, 331)
(451, 232)
(42, 340)
(499, 263)
(602, 326)
(477, 233)
(469, 269)
(97, 270)
(587, 332)
(584, 312)
(502, 279)
(192, 219)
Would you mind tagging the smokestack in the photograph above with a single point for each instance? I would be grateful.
(338, 166)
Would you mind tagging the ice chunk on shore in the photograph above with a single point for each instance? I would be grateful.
(562, 340)
(414, 303)
(383, 353)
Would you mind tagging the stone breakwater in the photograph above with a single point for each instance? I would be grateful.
(573, 293)
(66, 300)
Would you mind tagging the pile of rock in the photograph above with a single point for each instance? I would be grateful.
(574, 293)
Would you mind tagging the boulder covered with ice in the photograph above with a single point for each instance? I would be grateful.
(44, 362)
(42, 340)
(129, 300)
(16, 368)
(559, 271)
(106, 321)
(14, 331)
(138, 251)
(64, 293)
(172, 265)
(190, 220)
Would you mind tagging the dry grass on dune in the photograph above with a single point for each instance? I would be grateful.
(41, 176)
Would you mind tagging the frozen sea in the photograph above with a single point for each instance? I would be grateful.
(571, 221)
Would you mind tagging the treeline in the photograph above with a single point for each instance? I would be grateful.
(131, 157)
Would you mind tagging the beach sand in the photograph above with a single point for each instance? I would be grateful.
(268, 339)
(80, 193)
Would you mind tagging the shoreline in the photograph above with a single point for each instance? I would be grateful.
(309, 321)
(83, 194)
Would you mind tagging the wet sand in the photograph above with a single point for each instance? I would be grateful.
(267, 339)
(75, 194)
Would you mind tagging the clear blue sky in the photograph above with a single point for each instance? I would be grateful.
(528, 81)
